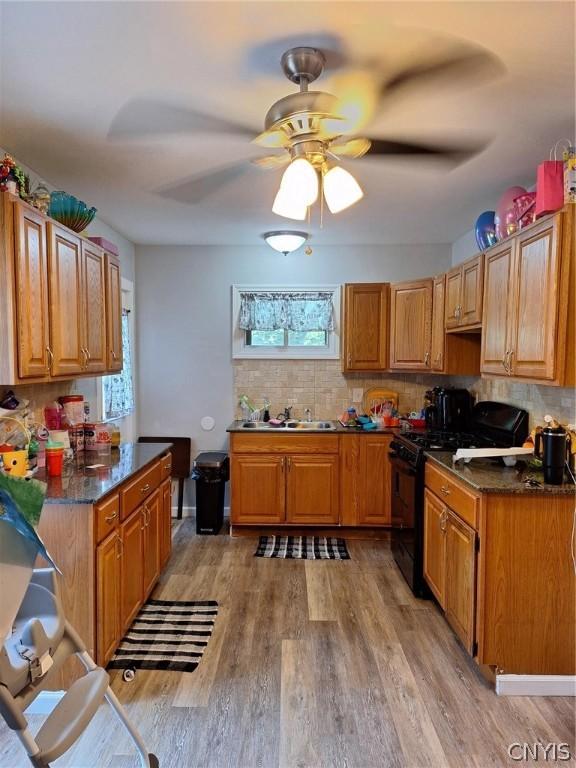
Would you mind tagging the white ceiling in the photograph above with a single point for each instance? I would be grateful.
(68, 68)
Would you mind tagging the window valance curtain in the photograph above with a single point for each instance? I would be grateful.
(302, 311)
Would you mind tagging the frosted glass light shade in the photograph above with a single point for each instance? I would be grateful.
(288, 206)
(300, 181)
(341, 189)
(285, 242)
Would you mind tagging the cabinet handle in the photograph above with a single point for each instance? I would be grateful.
(88, 355)
(50, 357)
(443, 518)
(445, 490)
(85, 354)
(510, 353)
(504, 361)
(167, 466)
(119, 549)
(289, 463)
(349, 359)
(427, 359)
(114, 355)
(145, 488)
(111, 517)
(282, 463)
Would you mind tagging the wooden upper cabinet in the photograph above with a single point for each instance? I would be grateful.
(411, 325)
(460, 578)
(365, 326)
(113, 313)
(464, 292)
(435, 516)
(312, 491)
(534, 320)
(498, 281)
(66, 301)
(438, 332)
(31, 290)
(94, 305)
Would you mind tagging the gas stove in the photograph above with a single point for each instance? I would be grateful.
(434, 440)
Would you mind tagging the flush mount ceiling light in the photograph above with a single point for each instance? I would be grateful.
(285, 241)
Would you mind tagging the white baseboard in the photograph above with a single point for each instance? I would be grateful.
(44, 703)
(536, 685)
(191, 511)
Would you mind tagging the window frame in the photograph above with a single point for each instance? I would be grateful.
(242, 351)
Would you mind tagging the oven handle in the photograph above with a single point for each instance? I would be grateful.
(401, 466)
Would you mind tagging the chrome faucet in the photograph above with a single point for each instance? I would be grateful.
(287, 413)
(308, 414)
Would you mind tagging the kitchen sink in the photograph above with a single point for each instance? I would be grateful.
(255, 425)
(314, 425)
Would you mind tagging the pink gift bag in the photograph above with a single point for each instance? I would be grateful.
(550, 185)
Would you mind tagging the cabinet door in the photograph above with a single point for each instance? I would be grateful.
(94, 305)
(460, 578)
(31, 272)
(108, 597)
(453, 297)
(258, 489)
(438, 330)
(165, 522)
(472, 291)
(535, 316)
(132, 578)
(375, 504)
(411, 320)
(312, 490)
(366, 326)
(151, 543)
(498, 306)
(435, 515)
(66, 302)
(113, 313)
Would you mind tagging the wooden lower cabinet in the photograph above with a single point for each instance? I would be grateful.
(258, 489)
(365, 480)
(312, 491)
(435, 546)
(460, 578)
(132, 575)
(151, 510)
(108, 580)
(165, 534)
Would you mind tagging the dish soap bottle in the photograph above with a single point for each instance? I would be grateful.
(266, 416)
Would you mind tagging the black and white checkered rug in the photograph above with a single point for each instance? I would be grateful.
(167, 635)
(302, 548)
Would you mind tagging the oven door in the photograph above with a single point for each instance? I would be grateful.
(403, 501)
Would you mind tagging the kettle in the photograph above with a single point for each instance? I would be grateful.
(552, 445)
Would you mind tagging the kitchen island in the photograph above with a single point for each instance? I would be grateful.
(107, 524)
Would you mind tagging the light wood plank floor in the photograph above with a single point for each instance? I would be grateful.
(312, 664)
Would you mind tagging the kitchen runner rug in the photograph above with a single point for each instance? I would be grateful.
(302, 548)
(167, 635)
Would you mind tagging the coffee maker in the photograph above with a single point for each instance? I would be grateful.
(552, 445)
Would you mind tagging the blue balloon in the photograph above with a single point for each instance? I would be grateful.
(485, 230)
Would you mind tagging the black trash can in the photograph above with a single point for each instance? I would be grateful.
(211, 472)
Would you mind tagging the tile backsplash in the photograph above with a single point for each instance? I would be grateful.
(321, 386)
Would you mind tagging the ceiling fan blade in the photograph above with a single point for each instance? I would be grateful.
(197, 188)
(358, 92)
(461, 66)
(271, 139)
(144, 118)
(271, 162)
(451, 154)
(352, 148)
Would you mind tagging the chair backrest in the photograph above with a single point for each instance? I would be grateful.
(181, 452)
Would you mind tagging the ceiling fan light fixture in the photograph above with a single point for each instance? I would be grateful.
(341, 189)
(288, 206)
(285, 241)
(300, 181)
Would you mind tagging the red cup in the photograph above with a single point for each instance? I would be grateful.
(54, 461)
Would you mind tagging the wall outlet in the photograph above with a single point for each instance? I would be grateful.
(357, 394)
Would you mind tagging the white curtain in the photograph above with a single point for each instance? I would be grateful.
(118, 390)
(270, 311)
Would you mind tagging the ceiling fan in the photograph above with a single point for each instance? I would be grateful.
(313, 130)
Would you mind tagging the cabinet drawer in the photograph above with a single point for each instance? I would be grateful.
(134, 492)
(166, 466)
(283, 443)
(451, 493)
(107, 517)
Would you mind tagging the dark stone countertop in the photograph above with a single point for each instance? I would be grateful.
(235, 427)
(491, 476)
(81, 485)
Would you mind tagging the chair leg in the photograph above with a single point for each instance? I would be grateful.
(180, 496)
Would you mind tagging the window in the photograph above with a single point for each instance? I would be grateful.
(118, 389)
(291, 322)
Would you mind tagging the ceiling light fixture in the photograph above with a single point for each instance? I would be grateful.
(300, 181)
(285, 241)
(289, 207)
(341, 189)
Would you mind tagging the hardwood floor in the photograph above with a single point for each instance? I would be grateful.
(320, 664)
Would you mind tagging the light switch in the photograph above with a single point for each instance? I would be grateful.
(357, 394)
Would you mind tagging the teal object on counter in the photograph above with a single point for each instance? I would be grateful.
(70, 211)
(366, 422)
